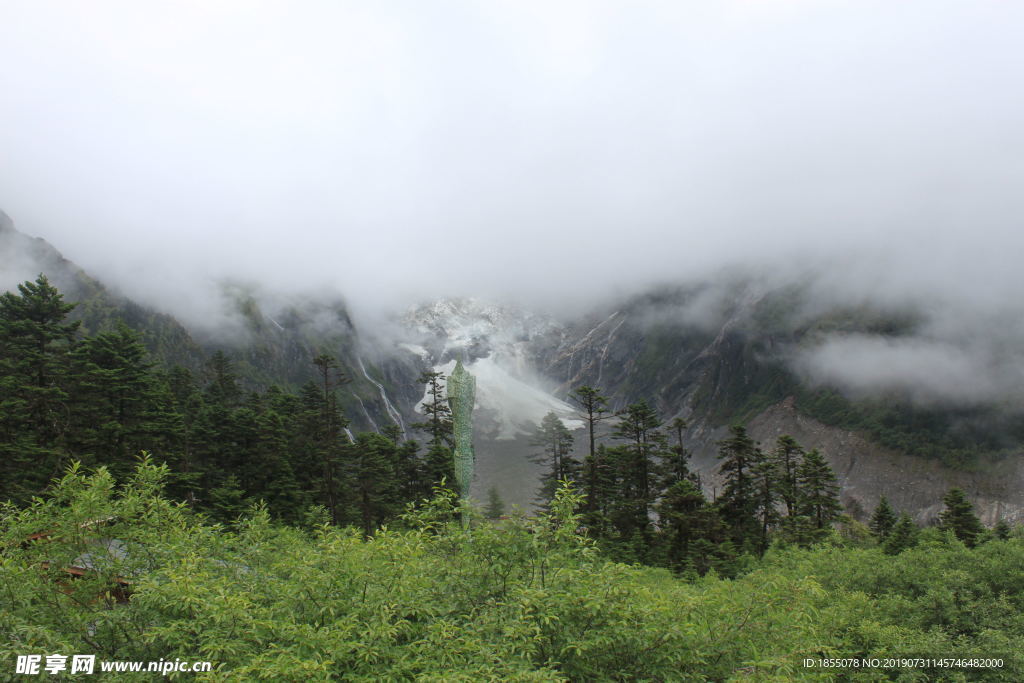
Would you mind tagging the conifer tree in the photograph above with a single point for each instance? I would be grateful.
(882, 520)
(903, 535)
(675, 466)
(738, 502)
(594, 406)
(114, 396)
(412, 483)
(438, 459)
(764, 475)
(959, 518)
(638, 461)
(606, 492)
(331, 437)
(787, 457)
(221, 381)
(186, 409)
(1002, 530)
(376, 487)
(555, 442)
(35, 341)
(818, 490)
(269, 469)
(684, 516)
(495, 505)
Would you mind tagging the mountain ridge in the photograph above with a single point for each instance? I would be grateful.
(712, 354)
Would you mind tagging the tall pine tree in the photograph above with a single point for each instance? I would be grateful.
(35, 342)
(959, 517)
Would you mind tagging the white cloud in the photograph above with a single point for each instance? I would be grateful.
(557, 153)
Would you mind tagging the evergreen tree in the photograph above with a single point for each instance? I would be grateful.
(764, 475)
(412, 483)
(684, 517)
(227, 500)
(959, 518)
(903, 535)
(438, 460)
(495, 505)
(269, 472)
(818, 490)
(739, 500)
(186, 409)
(555, 442)
(787, 457)
(35, 341)
(1002, 530)
(606, 492)
(882, 520)
(376, 488)
(114, 397)
(594, 407)
(322, 419)
(638, 462)
(675, 466)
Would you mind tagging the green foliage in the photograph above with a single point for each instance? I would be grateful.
(521, 599)
(883, 519)
(35, 345)
(904, 535)
(100, 400)
(438, 460)
(554, 442)
(959, 517)
(495, 505)
(818, 493)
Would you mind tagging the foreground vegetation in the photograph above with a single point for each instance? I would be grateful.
(518, 599)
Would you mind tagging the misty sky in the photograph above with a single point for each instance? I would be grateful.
(553, 151)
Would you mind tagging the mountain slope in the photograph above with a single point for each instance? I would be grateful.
(266, 350)
(722, 357)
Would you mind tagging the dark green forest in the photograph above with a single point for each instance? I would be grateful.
(257, 532)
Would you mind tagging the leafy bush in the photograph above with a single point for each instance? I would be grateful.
(518, 599)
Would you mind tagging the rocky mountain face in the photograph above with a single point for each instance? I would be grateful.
(728, 363)
(270, 344)
(714, 354)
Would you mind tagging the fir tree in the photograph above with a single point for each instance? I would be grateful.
(594, 407)
(787, 457)
(903, 535)
(555, 442)
(1002, 530)
(684, 516)
(738, 502)
(818, 490)
(959, 518)
(637, 461)
(438, 460)
(376, 489)
(495, 505)
(186, 407)
(675, 466)
(35, 341)
(114, 395)
(221, 381)
(324, 417)
(764, 475)
(882, 520)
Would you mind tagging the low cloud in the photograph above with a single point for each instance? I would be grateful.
(928, 372)
(558, 155)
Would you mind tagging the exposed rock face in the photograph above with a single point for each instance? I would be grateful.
(714, 375)
(867, 471)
